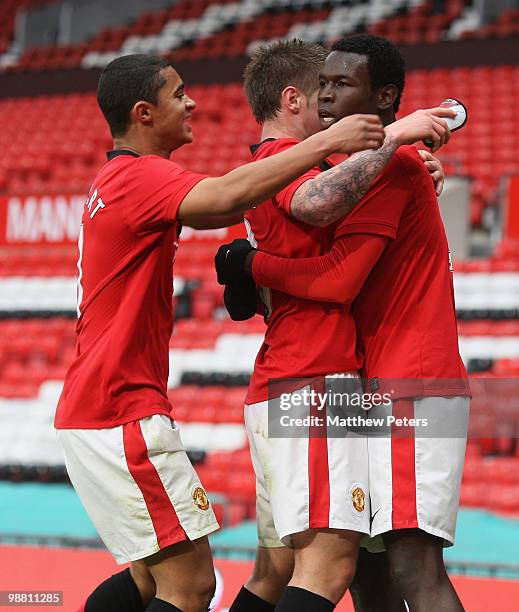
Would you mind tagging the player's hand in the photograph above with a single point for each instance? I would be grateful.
(231, 259)
(357, 133)
(240, 299)
(434, 165)
(425, 124)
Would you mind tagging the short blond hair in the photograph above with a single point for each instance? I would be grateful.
(278, 65)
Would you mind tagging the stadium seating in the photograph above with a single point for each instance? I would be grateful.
(206, 29)
(35, 352)
(506, 25)
(484, 150)
(211, 356)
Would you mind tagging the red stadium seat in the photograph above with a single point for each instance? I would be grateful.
(418, 24)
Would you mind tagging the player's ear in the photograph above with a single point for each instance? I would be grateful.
(386, 96)
(141, 112)
(291, 99)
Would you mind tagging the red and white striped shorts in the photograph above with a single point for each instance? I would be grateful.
(306, 482)
(138, 486)
(415, 477)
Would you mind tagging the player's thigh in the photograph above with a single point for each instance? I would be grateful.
(317, 546)
(414, 556)
(326, 553)
(184, 566)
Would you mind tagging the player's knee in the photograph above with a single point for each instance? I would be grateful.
(417, 562)
(268, 586)
(205, 588)
(406, 573)
(196, 595)
(272, 572)
(334, 578)
(345, 575)
(200, 594)
(144, 582)
(338, 581)
(273, 576)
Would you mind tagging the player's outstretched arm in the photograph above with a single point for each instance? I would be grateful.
(249, 185)
(334, 277)
(426, 124)
(334, 193)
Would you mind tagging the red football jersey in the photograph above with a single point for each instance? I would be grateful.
(127, 245)
(405, 313)
(303, 338)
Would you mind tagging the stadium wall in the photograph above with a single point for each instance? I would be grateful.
(472, 52)
(75, 21)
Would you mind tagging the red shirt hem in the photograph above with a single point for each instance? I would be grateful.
(109, 424)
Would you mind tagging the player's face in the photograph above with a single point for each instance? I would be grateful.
(173, 111)
(344, 88)
(311, 120)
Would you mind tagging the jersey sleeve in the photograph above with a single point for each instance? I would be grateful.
(284, 197)
(336, 276)
(157, 187)
(380, 210)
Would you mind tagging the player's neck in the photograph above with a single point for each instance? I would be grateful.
(141, 148)
(387, 118)
(278, 128)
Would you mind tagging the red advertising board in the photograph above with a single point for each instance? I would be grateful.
(53, 221)
(40, 220)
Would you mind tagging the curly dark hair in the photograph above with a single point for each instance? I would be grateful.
(386, 66)
(276, 66)
(125, 81)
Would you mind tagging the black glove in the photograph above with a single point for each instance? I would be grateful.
(230, 261)
(240, 299)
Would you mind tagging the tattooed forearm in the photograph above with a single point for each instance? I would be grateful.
(332, 194)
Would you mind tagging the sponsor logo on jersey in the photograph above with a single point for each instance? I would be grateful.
(200, 498)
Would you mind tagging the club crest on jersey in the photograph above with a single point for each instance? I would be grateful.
(358, 498)
(200, 498)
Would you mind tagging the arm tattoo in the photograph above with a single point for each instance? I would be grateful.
(334, 193)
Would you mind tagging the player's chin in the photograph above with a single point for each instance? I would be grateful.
(187, 132)
(187, 135)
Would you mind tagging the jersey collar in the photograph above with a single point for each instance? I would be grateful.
(323, 166)
(116, 152)
(253, 148)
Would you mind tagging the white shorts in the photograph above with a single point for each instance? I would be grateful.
(306, 482)
(415, 478)
(138, 486)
